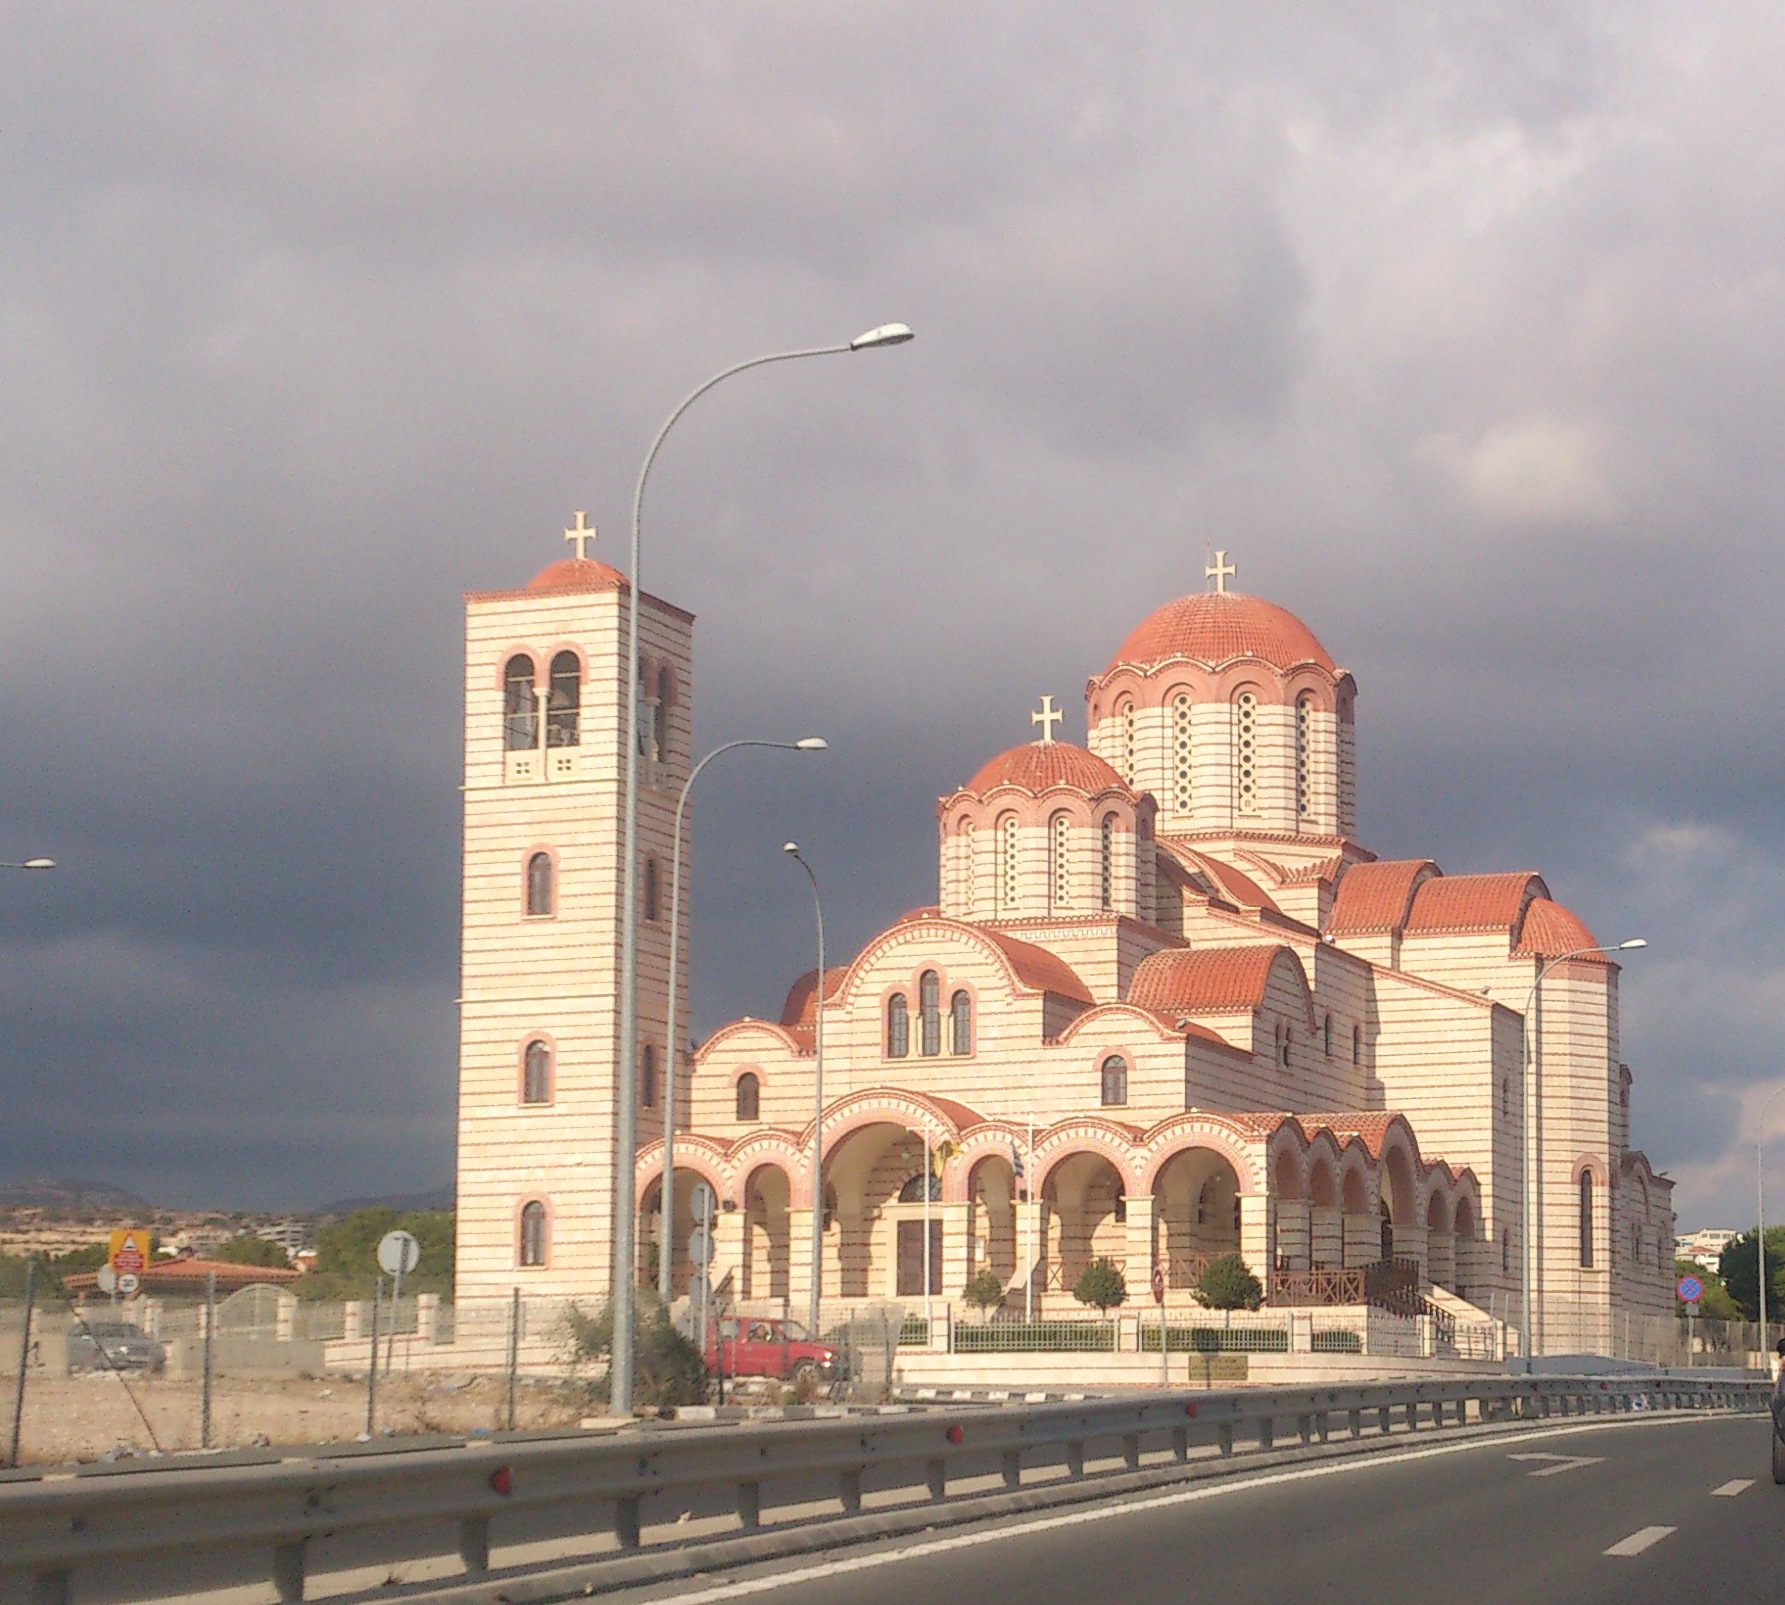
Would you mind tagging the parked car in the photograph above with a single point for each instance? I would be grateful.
(773, 1348)
(113, 1346)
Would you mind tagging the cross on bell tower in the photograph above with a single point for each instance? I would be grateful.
(1220, 571)
(581, 532)
(1047, 719)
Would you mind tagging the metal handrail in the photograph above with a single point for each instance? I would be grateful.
(183, 1513)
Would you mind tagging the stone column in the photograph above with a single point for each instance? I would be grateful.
(1258, 1235)
(1410, 1243)
(427, 1318)
(353, 1314)
(1441, 1264)
(1294, 1238)
(799, 1260)
(1031, 1252)
(285, 1317)
(1363, 1240)
(1137, 1249)
(957, 1222)
(728, 1249)
(1326, 1232)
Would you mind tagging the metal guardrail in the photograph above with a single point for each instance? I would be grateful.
(182, 1512)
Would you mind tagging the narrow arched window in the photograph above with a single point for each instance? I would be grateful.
(540, 891)
(1506, 1100)
(1304, 756)
(650, 888)
(1007, 877)
(1283, 1046)
(647, 1078)
(1586, 1220)
(1506, 1249)
(563, 708)
(1245, 752)
(1060, 855)
(929, 996)
(898, 1026)
(1106, 863)
(536, 1073)
(1115, 1081)
(1181, 716)
(520, 712)
(749, 1097)
(666, 690)
(1327, 1036)
(1128, 765)
(1357, 1044)
(960, 1010)
(966, 862)
(533, 1233)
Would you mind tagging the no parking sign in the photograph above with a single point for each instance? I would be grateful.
(1689, 1289)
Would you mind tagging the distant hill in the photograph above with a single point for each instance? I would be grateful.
(73, 1196)
(403, 1203)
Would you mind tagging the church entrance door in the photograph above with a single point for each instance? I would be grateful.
(910, 1277)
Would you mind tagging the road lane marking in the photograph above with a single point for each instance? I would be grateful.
(1730, 1489)
(1643, 1538)
(1563, 1463)
(1111, 1510)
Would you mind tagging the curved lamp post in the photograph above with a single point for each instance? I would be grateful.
(1533, 1148)
(792, 849)
(666, 1234)
(626, 1123)
(32, 863)
(1760, 1213)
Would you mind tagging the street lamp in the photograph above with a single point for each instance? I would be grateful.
(1533, 1147)
(1760, 1212)
(666, 1234)
(32, 863)
(792, 849)
(626, 1122)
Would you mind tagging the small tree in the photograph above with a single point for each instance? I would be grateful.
(1740, 1273)
(251, 1250)
(1228, 1284)
(1102, 1284)
(668, 1369)
(985, 1292)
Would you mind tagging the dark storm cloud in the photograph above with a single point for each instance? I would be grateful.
(1459, 327)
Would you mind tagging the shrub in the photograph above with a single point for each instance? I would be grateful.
(1228, 1284)
(1101, 1284)
(985, 1292)
(667, 1368)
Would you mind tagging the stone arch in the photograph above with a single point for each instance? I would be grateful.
(991, 1188)
(1287, 1179)
(1438, 1214)
(1202, 1130)
(1196, 1193)
(1085, 1193)
(1356, 1194)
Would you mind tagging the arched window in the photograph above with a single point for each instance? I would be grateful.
(1059, 835)
(540, 891)
(1357, 1044)
(1304, 749)
(563, 708)
(749, 1096)
(666, 692)
(1180, 752)
(1106, 863)
(1115, 1081)
(520, 712)
(536, 1073)
(650, 888)
(647, 717)
(1506, 1249)
(533, 1233)
(912, 1193)
(966, 860)
(960, 1009)
(898, 1026)
(1127, 714)
(1586, 1220)
(929, 1003)
(1506, 1099)
(1327, 1034)
(1007, 879)
(1245, 752)
(1283, 1045)
(647, 1077)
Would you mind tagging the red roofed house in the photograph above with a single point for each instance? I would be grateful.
(1152, 959)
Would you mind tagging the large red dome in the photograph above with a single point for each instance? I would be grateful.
(1214, 627)
(577, 574)
(1042, 764)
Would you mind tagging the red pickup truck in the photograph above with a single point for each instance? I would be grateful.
(772, 1348)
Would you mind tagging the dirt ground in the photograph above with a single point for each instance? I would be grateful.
(90, 1416)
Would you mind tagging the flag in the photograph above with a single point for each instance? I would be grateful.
(1016, 1162)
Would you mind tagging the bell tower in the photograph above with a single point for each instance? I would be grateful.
(544, 786)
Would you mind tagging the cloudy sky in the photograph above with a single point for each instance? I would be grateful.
(1459, 326)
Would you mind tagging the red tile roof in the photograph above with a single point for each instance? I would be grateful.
(189, 1275)
(1234, 885)
(797, 1010)
(1551, 930)
(1374, 897)
(1039, 969)
(1212, 628)
(577, 574)
(1204, 980)
(1371, 1128)
(1473, 902)
(1041, 765)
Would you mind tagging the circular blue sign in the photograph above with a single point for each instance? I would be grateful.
(1689, 1289)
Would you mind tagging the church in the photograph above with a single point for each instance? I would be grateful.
(1162, 1006)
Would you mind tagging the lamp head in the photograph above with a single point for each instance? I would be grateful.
(792, 849)
(812, 744)
(888, 334)
(40, 863)
(1635, 941)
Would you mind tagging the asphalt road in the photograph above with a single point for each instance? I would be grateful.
(1658, 1508)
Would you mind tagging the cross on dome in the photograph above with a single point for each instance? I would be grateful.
(582, 532)
(1220, 571)
(1047, 719)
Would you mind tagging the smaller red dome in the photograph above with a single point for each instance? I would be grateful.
(577, 574)
(1215, 627)
(1040, 765)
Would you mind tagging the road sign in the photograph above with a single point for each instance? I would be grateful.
(129, 1251)
(398, 1253)
(700, 1246)
(702, 1202)
(1158, 1284)
(128, 1283)
(107, 1279)
(1689, 1289)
